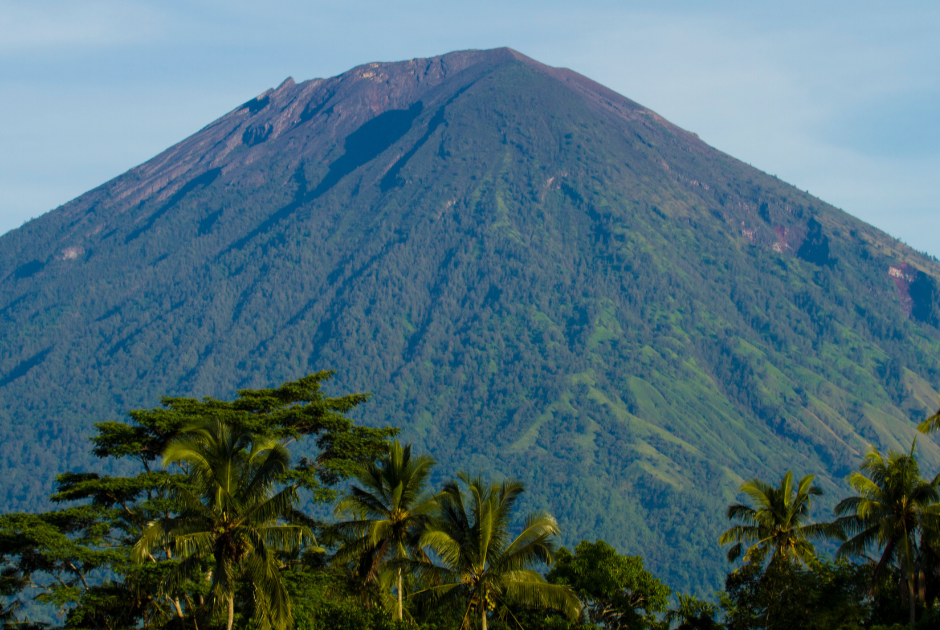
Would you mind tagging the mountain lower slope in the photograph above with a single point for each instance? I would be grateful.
(534, 275)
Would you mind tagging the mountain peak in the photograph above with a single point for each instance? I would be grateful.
(344, 103)
(533, 275)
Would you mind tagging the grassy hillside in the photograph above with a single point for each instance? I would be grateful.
(531, 274)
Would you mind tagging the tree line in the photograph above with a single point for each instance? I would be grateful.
(207, 530)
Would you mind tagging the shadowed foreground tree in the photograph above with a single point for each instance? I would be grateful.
(778, 524)
(893, 503)
(789, 596)
(230, 515)
(617, 592)
(482, 565)
(692, 613)
(390, 509)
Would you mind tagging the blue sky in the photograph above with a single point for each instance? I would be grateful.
(838, 98)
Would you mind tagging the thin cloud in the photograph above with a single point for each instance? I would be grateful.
(45, 27)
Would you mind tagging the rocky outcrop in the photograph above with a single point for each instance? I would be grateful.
(917, 293)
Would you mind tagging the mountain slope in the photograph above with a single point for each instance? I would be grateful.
(533, 275)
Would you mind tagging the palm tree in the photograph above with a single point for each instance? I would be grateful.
(389, 511)
(892, 504)
(931, 424)
(778, 524)
(230, 515)
(8, 615)
(482, 564)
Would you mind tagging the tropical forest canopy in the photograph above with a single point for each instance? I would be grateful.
(209, 532)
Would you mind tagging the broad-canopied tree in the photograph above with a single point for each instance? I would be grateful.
(822, 596)
(617, 592)
(104, 516)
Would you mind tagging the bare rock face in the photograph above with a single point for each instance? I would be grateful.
(917, 293)
(534, 275)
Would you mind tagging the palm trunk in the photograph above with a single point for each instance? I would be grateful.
(192, 610)
(399, 595)
(483, 619)
(176, 605)
(231, 611)
(912, 598)
(911, 577)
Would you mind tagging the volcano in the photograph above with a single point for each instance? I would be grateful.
(535, 276)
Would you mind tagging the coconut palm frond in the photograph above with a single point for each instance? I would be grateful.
(389, 509)
(480, 562)
(230, 514)
(776, 525)
(892, 504)
(530, 589)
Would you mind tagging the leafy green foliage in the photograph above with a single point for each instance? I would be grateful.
(231, 517)
(71, 553)
(322, 603)
(692, 613)
(617, 592)
(390, 510)
(892, 506)
(483, 568)
(787, 595)
(931, 424)
(229, 535)
(293, 411)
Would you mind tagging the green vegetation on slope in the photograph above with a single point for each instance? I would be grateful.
(531, 275)
(207, 533)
